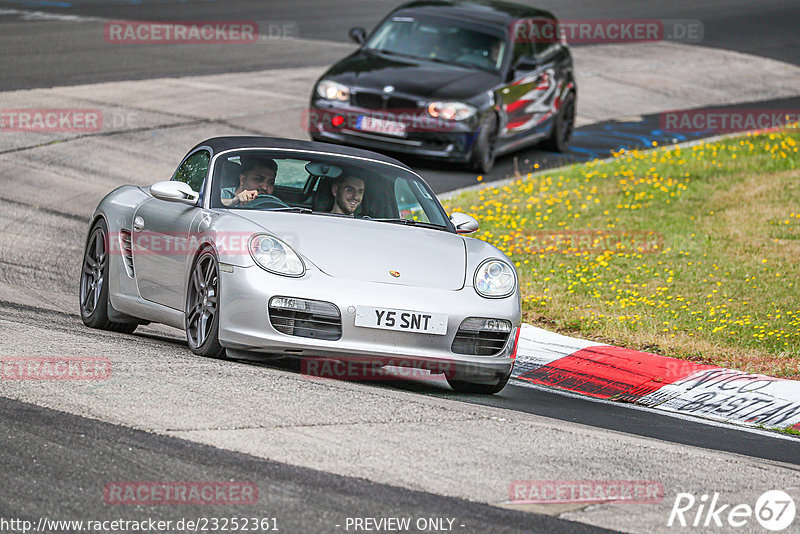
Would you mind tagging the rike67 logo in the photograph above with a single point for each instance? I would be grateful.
(774, 510)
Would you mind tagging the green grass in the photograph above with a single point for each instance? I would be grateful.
(688, 252)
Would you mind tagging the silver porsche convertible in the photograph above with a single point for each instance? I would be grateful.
(261, 247)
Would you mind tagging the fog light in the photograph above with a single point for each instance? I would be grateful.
(286, 303)
(315, 307)
(337, 121)
(483, 324)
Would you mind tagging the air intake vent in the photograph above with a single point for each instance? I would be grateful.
(370, 100)
(127, 250)
(305, 318)
(479, 336)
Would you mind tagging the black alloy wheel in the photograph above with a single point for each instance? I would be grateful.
(483, 157)
(202, 307)
(94, 283)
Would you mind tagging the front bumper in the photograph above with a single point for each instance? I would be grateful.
(245, 324)
(426, 137)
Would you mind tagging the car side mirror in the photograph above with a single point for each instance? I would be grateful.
(358, 34)
(465, 224)
(523, 66)
(174, 191)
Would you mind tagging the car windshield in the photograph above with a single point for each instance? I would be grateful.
(439, 40)
(313, 183)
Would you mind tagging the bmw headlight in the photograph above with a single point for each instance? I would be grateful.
(331, 90)
(495, 279)
(451, 111)
(275, 256)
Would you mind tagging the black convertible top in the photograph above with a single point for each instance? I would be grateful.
(220, 144)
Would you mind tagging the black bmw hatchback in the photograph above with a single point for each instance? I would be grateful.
(463, 81)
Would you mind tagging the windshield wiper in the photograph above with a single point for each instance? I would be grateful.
(293, 209)
(391, 53)
(444, 61)
(412, 222)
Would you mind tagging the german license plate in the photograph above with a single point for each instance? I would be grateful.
(401, 320)
(382, 126)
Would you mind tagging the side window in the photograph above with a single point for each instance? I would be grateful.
(408, 204)
(292, 173)
(535, 37)
(193, 171)
(525, 31)
(551, 32)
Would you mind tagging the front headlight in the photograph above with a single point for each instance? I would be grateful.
(495, 279)
(331, 90)
(451, 111)
(275, 256)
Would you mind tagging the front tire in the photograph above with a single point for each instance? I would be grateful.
(463, 386)
(94, 283)
(564, 126)
(202, 307)
(483, 157)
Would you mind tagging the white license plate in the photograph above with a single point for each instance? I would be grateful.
(401, 320)
(383, 126)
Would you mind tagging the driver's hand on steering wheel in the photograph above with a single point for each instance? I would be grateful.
(245, 196)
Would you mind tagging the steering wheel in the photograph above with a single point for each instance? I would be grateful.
(264, 202)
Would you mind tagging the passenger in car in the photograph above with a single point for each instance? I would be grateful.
(348, 192)
(256, 179)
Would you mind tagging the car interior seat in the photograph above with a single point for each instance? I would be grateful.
(230, 174)
(323, 198)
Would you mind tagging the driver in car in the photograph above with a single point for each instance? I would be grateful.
(256, 180)
(348, 192)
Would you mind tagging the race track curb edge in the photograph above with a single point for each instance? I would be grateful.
(614, 373)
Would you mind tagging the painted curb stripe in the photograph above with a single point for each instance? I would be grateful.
(612, 372)
(538, 347)
(659, 382)
(732, 396)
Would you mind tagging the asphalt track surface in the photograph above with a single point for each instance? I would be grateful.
(53, 461)
(47, 43)
(622, 418)
(56, 465)
(44, 53)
